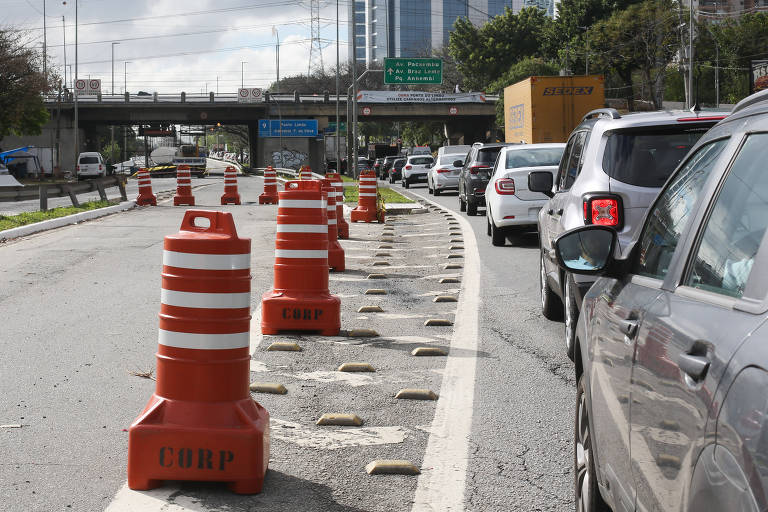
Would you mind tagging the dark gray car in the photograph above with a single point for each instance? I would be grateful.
(671, 358)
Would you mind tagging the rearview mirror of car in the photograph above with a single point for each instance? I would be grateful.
(458, 163)
(586, 249)
(541, 181)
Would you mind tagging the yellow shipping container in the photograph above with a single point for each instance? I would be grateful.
(548, 108)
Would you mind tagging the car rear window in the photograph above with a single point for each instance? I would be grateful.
(646, 158)
(421, 161)
(89, 160)
(449, 159)
(487, 156)
(534, 157)
(399, 163)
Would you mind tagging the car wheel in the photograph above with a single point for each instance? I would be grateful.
(571, 314)
(471, 208)
(498, 239)
(436, 192)
(405, 183)
(462, 205)
(587, 494)
(488, 223)
(551, 307)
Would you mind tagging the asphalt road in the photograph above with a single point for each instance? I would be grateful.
(522, 448)
(80, 311)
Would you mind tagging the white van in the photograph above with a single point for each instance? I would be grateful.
(91, 164)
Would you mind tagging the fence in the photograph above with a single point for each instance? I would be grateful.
(43, 191)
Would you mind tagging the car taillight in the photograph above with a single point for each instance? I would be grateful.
(477, 168)
(505, 186)
(443, 171)
(77, 168)
(99, 166)
(408, 167)
(603, 211)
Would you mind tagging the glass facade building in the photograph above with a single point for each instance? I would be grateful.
(412, 28)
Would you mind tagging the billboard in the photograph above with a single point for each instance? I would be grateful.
(758, 76)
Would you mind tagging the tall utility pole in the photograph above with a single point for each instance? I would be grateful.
(338, 124)
(242, 73)
(113, 67)
(64, 25)
(77, 119)
(45, 45)
(690, 58)
(125, 128)
(277, 102)
(112, 126)
(315, 46)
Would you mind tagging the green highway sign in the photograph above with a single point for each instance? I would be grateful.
(413, 71)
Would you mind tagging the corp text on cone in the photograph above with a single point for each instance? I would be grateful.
(201, 423)
(300, 300)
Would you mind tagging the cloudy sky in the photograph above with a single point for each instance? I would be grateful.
(174, 45)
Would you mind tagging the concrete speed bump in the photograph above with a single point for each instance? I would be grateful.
(391, 467)
(437, 322)
(284, 346)
(375, 291)
(416, 394)
(451, 266)
(342, 420)
(387, 239)
(456, 248)
(268, 387)
(385, 247)
(370, 309)
(456, 240)
(669, 461)
(449, 280)
(452, 256)
(356, 367)
(445, 298)
(382, 255)
(429, 351)
(362, 333)
(377, 276)
(380, 263)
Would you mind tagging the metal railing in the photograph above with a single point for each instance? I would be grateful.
(44, 191)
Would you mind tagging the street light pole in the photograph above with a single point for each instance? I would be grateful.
(64, 25)
(77, 119)
(125, 128)
(242, 73)
(45, 45)
(338, 124)
(125, 75)
(113, 66)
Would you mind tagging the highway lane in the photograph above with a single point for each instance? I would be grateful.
(521, 443)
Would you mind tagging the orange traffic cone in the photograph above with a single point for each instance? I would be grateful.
(300, 300)
(183, 187)
(335, 251)
(341, 223)
(145, 197)
(231, 196)
(201, 423)
(366, 199)
(270, 187)
(305, 173)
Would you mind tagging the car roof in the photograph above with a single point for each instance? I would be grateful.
(543, 145)
(420, 156)
(656, 118)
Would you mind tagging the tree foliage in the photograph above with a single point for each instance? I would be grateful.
(22, 83)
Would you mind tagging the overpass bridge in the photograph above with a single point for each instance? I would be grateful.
(466, 117)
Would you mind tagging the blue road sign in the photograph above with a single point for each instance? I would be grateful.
(290, 128)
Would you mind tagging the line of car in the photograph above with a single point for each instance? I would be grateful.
(653, 241)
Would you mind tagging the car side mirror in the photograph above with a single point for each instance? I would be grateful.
(458, 163)
(541, 181)
(586, 249)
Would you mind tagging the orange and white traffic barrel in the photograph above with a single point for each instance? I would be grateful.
(305, 173)
(183, 187)
(366, 198)
(270, 187)
(341, 223)
(201, 423)
(335, 251)
(145, 197)
(300, 300)
(231, 195)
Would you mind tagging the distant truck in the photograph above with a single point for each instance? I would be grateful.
(548, 108)
(381, 150)
(187, 154)
(330, 150)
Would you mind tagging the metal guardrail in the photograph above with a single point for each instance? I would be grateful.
(43, 191)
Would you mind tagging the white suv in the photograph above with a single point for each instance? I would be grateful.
(510, 206)
(91, 164)
(416, 168)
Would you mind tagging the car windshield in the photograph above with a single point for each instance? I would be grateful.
(449, 159)
(421, 161)
(646, 158)
(533, 157)
(487, 156)
(399, 163)
(89, 160)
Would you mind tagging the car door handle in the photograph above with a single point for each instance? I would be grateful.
(694, 366)
(550, 211)
(629, 328)
(560, 211)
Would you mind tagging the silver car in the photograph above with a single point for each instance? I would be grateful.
(612, 169)
(671, 358)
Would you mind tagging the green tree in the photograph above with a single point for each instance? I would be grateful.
(21, 86)
(483, 54)
(530, 66)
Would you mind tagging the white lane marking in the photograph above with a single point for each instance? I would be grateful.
(447, 456)
(207, 261)
(198, 341)
(316, 438)
(350, 379)
(205, 300)
(447, 291)
(256, 338)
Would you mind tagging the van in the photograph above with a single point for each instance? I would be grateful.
(91, 164)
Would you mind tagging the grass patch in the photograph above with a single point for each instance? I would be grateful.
(22, 219)
(344, 177)
(387, 195)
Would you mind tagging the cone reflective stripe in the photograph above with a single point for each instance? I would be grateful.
(231, 196)
(183, 187)
(270, 187)
(201, 423)
(300, 300)
(145, 197)
(335, 251)
(343, 227)
(305, 173)
(366, 210)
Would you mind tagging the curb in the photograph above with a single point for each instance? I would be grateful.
(46, 225)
